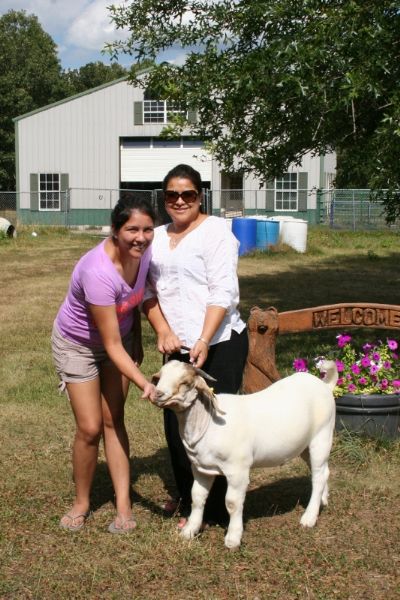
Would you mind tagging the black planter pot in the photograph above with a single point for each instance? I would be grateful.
(376, 415)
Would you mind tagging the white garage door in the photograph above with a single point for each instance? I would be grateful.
(150, 159)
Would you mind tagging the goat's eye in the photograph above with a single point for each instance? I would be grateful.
(262, 328)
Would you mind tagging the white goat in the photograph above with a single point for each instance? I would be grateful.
(228, 434)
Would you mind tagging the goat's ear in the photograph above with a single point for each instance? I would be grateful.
(204, 374)
(203, 388)
(155, 379)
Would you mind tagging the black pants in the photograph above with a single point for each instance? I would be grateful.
(225, 362)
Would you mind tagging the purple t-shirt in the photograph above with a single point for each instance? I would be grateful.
(95, 280)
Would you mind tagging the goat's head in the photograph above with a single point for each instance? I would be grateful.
(180, 384)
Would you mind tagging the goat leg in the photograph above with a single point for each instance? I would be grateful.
(200, 490)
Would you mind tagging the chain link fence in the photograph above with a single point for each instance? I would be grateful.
(351, 209)
(345, 209)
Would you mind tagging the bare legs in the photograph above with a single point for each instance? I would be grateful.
(98, 407)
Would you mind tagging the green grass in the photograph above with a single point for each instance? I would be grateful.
(353, 552)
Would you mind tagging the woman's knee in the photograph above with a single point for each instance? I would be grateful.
(114, 419)
(89, 433)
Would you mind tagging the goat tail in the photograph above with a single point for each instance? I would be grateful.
(329, 368)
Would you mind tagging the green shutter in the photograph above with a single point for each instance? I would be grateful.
(138, 113)
(192, 116)
(303, 191)
(34, 188)
(64, 189)
(270, 196)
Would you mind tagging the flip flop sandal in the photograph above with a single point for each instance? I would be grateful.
(72, 525)
(114, 528)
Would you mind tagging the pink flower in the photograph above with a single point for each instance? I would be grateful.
(342, 340)
(341, 380)
(362, 381)
(393, 345)
(355, 369)
(300, 365)
(396, 383)
(352, 388)
(367, 347)
(340, 366)
(365, 361)
(384, 384)
(373, 369)
(376, 356)
(387, 364)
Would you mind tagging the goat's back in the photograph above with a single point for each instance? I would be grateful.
(277, 423)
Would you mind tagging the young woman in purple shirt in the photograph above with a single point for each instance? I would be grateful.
(97, 350)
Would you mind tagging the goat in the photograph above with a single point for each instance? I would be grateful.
(228, 434)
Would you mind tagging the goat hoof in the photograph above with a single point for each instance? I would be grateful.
(232, 545)
(308, 521)
(187, 533)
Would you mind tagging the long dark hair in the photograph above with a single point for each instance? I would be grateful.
(184, 172)
(122, 210)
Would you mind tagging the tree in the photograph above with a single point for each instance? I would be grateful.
(91, 75)
(275, 79)
(29, 78)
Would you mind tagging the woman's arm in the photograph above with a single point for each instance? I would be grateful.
(105, 318)
(167, 341)
(212, 320)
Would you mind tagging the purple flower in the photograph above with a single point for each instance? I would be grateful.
(299, 364)
(384, 384)
(365, 361)
(396, 383)
(355, 369)
(395, 356)
(344, 339)
(373, 369)
(352, 388)
(362, 381)
(393, 345)
(340, 366)
(367, 347)
(340, 381)
(376, 356)
(387, 364)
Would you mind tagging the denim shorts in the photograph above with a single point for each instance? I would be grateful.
(76, 363)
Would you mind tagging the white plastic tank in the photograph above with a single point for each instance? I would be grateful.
(7, 228)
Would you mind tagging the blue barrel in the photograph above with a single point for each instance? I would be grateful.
(267, 234)
(245, 230)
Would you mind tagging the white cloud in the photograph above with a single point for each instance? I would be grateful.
(92, 28)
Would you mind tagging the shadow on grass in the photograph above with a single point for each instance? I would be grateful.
(366, 278)
(277, 498)
(156, 464)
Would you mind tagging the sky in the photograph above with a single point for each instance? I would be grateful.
(80, 28)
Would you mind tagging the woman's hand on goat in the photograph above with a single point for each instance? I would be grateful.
(199, 353)
(149, 391)
(168, 342)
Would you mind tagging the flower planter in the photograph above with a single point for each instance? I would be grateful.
(376, 415)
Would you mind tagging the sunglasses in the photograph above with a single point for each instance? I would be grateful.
(170, 196)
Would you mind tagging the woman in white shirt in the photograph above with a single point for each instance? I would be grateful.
(192, 301)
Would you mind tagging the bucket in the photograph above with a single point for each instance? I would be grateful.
(7, 228)
(294, 234)
(245, 230)
(376, 415)
(267, 233)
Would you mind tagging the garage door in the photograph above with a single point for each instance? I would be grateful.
(150, 159)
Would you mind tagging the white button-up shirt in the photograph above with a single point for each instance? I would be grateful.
(199, 272)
